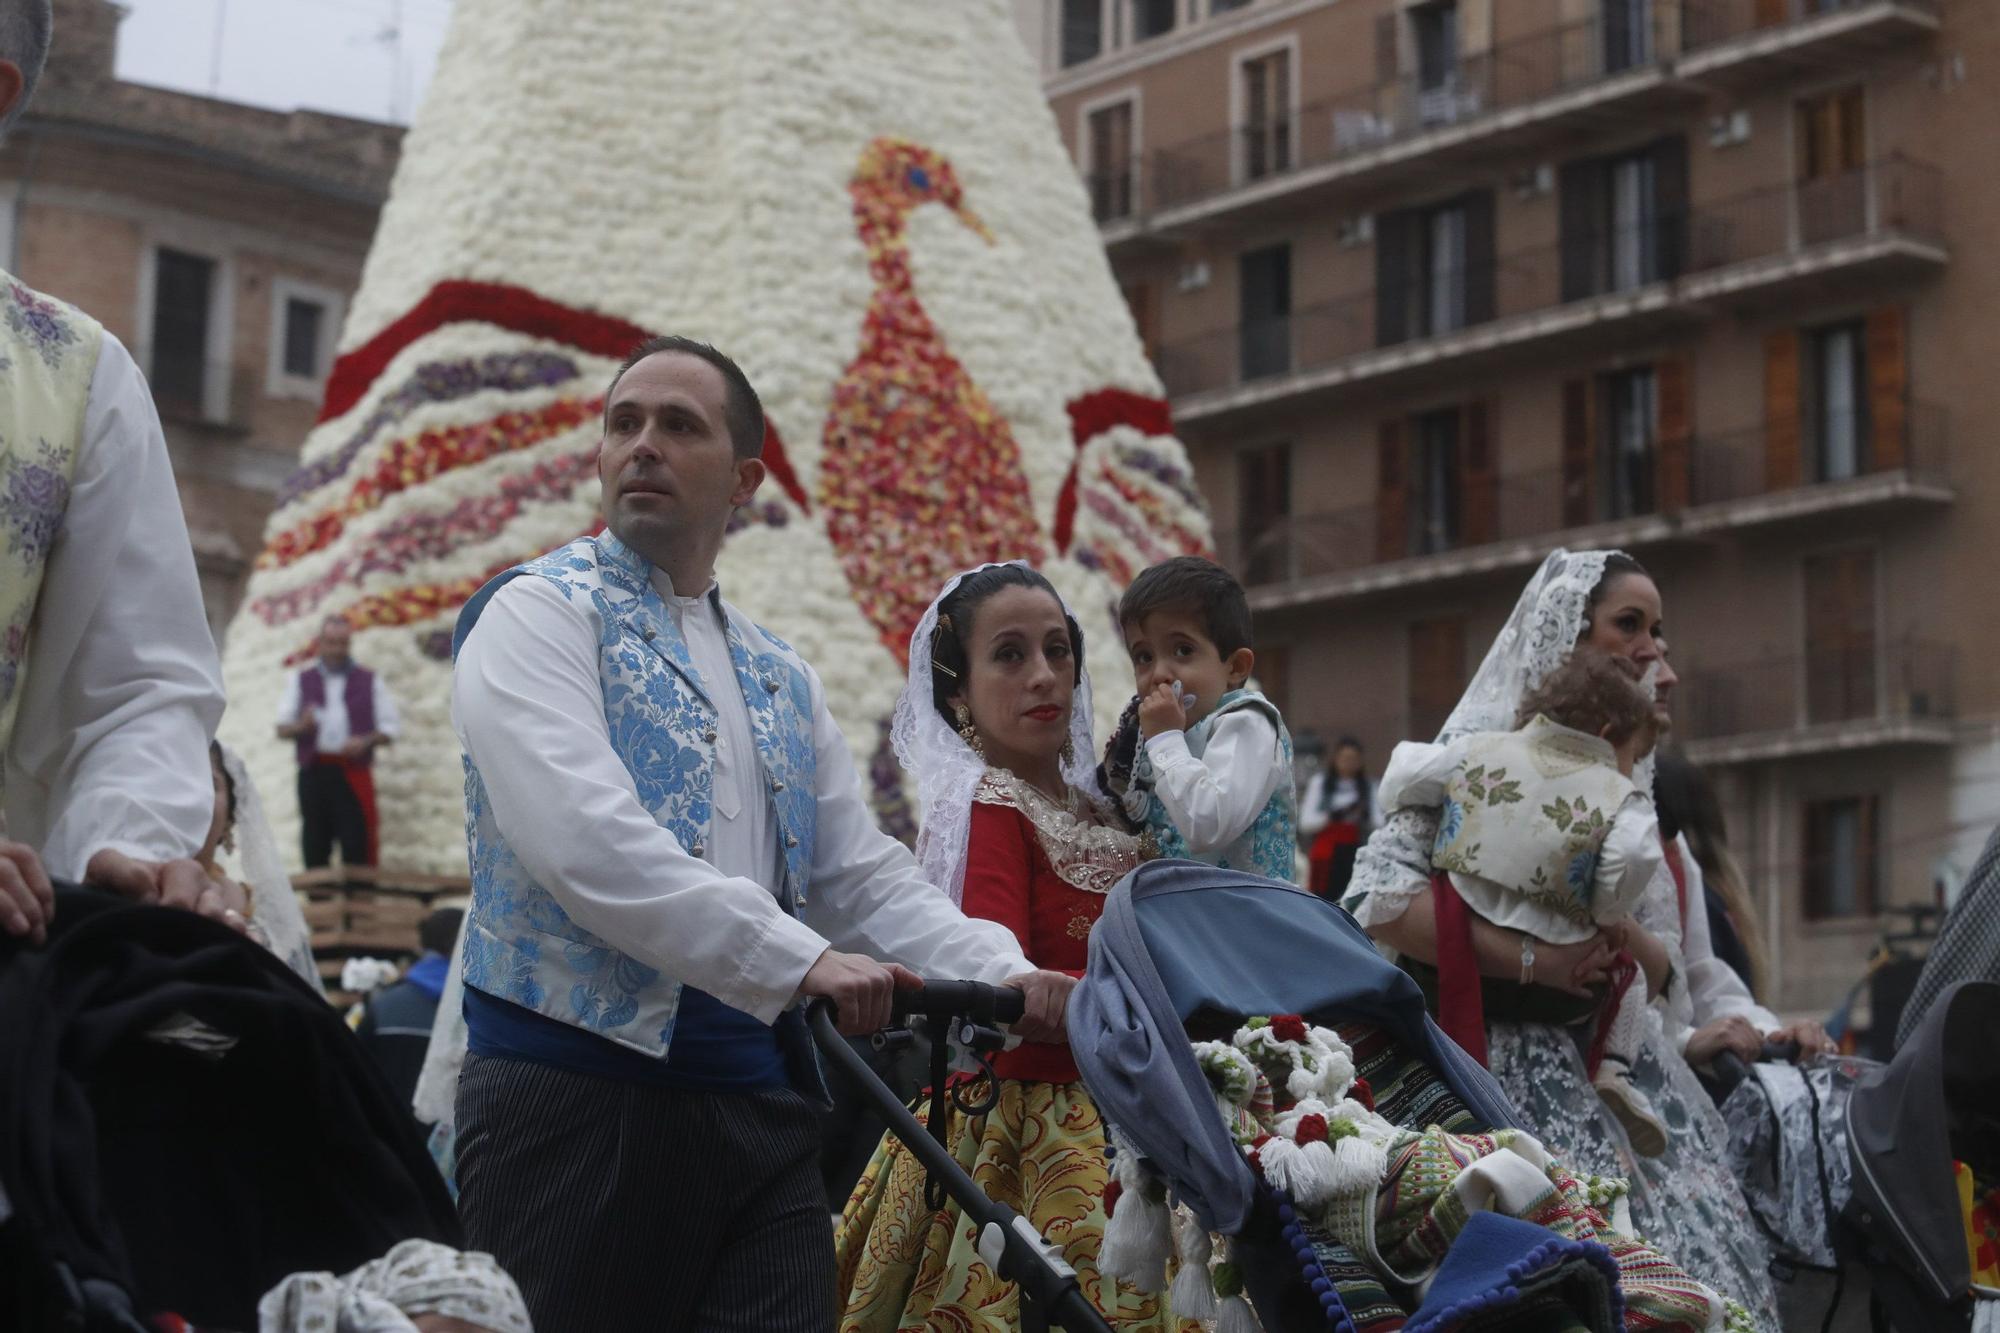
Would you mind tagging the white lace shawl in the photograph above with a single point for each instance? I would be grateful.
(1395, 864)
(256, 864)
(944, 767)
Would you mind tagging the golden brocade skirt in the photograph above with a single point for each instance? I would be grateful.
(1040, 1151)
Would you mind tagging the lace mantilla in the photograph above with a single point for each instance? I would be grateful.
(1085, 848)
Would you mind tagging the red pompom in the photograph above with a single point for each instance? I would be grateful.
(1362, 1093)
(1312, 1129)
(1288, 1027)
(1112, 1190)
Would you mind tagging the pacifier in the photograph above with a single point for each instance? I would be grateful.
(1187, 700)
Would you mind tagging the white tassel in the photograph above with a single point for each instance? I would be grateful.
(1358, 1166)
(1192, 1295)
(1236, 1316)
(1305, 1171)
(1137, 1241)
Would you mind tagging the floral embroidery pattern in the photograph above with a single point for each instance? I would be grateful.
(921, 477)
(33, 498)
(39, 321)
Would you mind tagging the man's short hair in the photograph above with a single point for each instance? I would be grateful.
(24, 41)
(1200, 587)
(742, 410)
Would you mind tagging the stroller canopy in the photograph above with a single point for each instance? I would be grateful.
(1181, 937)
(1937, 1101)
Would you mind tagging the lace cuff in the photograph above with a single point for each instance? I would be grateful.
(1393, 868)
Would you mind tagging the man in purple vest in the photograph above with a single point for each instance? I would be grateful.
(337, 712)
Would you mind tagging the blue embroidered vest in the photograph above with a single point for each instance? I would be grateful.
(1268, 846)
(519, 943)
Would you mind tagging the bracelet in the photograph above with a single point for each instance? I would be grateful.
(1527, 959)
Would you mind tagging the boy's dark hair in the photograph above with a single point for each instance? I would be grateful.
(439, 931)
(742, 409)
(1589, 692)
(955, 615)
(1190, 583)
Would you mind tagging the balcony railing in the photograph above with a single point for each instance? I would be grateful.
(1897, 196)
(1369, 116)
(1725, 470)
(1907, 680)
(1737, 465)
(1708, 23)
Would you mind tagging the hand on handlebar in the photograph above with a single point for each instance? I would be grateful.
(1047, 995)
(859, 987)
(1733, 1034)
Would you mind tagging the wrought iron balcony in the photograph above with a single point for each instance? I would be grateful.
(1853, 696)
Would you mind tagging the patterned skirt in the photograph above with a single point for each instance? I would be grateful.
(1041, 1152)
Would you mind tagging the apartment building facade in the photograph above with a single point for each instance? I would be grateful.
(218, 242)
(1438, 285)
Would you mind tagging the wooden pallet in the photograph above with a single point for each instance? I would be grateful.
(368, 912)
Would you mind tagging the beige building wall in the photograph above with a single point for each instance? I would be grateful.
(1768, 260)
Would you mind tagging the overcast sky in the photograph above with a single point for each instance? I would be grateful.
(330, 55)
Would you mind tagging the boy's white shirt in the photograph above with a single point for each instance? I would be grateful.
(1627, 862)
(1214, 797)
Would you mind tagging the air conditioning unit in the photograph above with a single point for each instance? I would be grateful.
(1356, 130)
(1193, 277)
(1355, 231)
(1729, 129)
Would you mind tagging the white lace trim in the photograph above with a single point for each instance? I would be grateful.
(946, 771)
(1084, 849)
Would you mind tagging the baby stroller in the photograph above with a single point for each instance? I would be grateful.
(1469, 1226)
(1911, 1126)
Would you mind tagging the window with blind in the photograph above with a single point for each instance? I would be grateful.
(1264, 311)
(1267, 115)
(1434, 483)
(1435, 27)
(1832, 159)
(1837, 401)
(1152, 18)
(1082, 31)
(1843, 857)
(1263, 511)
(1628, 34)
(183, 297)
(1623, 220)
(1629, 420)
(1111, 162)
(1840, 647)
(1436, 673)
(1434, 268)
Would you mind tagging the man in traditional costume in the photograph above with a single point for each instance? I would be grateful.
(339, 713)
(669, 847)
(109, 684)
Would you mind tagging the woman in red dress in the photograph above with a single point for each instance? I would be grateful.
(994, 724)
(1339, 812)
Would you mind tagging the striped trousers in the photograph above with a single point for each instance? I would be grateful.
(619, 1206)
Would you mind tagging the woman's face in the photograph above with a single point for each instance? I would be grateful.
(1626, 623)
(1021, 675)
(1347, 761)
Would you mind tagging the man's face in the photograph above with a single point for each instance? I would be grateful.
(334, 640)
(667, 465)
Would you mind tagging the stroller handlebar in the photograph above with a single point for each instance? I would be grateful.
(1731, 1070)
(940, 1000)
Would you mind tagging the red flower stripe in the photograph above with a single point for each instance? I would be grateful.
(410, 462)
(1162, 524)
(459, 302)
(1089, 417)
(435, 536)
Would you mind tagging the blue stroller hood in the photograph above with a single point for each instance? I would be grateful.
(1179, 937)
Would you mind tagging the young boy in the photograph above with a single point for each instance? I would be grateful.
(1544, 832)
(1212, 780)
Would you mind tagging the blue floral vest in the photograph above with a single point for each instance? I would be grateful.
(519, 943)
(1269, 845)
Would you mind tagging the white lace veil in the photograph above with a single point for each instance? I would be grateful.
(1537, 638)
(258, 866)
(946, 770)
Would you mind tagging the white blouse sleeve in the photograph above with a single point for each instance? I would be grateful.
(1312, 807)
(1714, 989)
(1416, 776)
(387, 720)
(1628, 860)
(1213, 800)
(121, 689)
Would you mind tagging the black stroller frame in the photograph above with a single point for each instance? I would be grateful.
(965, 1012)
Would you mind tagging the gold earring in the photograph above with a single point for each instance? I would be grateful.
(967, 730)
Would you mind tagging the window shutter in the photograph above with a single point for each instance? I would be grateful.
(1771, 13)
(1579, 435)
(1852, 125)
(1392, 493)
(1388, 65)
(1582, 186)
(1479, 479)
(1670, 198)
(1888, 389)
(1868, 851)
(1480, 267)
(1437, 672)
(1782, 468)
(1392, 276)
(1840, 636)
(1673, 444)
